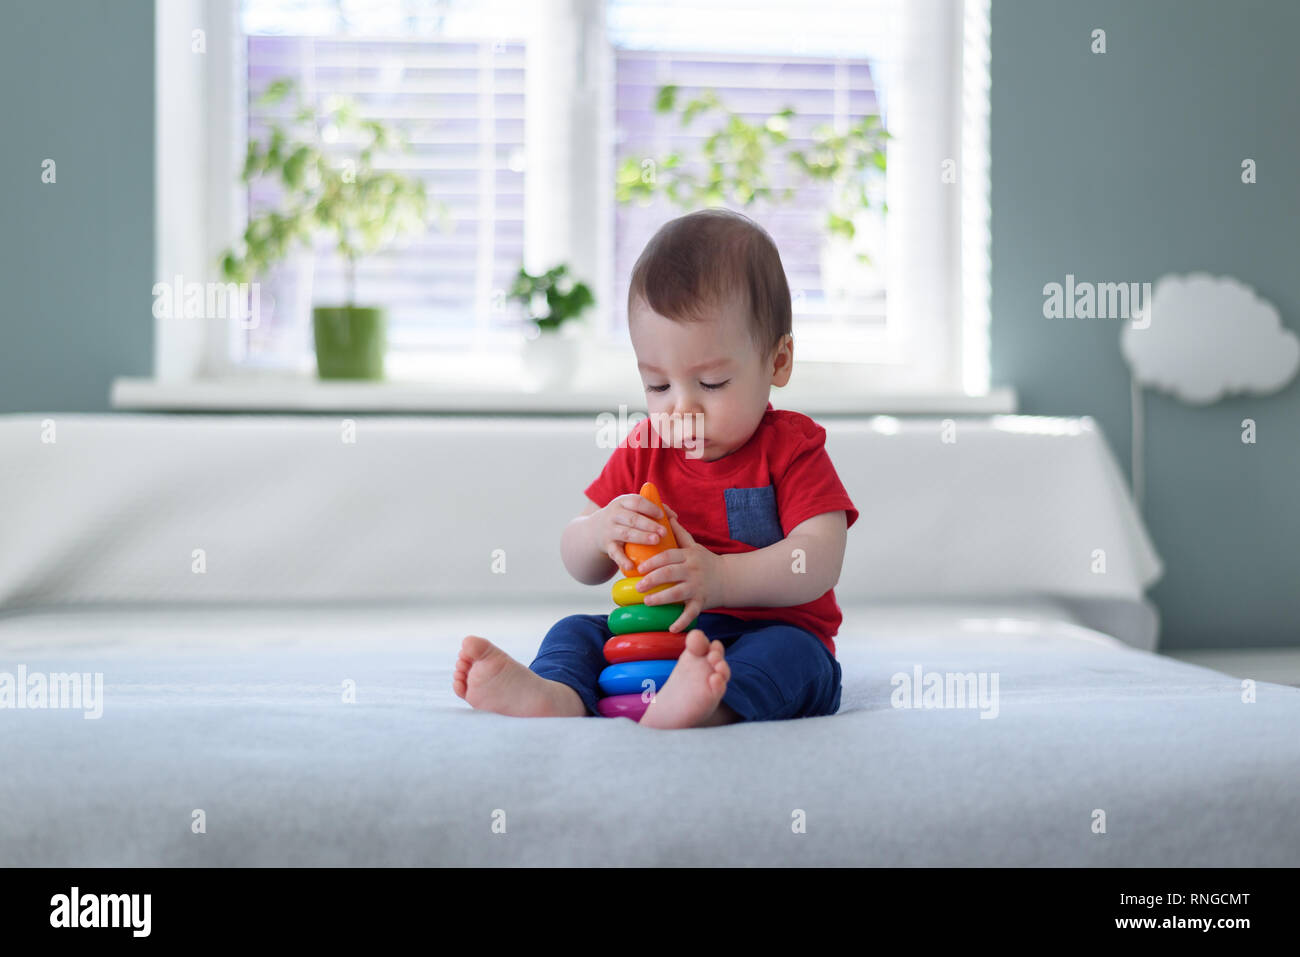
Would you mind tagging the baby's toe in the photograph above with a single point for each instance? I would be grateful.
(697, 643)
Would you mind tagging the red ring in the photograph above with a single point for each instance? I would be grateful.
(645, 646)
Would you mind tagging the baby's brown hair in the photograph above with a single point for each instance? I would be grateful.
(695, 261)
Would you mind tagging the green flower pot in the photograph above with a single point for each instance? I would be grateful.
(350, 341)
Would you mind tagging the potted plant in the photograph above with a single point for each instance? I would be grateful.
(736, 157)
(362, 208)
(852, 163)
(550, 300)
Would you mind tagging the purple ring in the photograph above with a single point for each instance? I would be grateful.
(622, 706)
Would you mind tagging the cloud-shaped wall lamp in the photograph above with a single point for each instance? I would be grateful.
(1208, 337)
(1201, 338)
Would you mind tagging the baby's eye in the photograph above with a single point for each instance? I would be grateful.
(656, 388)
(718, 385)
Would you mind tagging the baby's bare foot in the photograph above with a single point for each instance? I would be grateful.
(695, 688)
(490, 680)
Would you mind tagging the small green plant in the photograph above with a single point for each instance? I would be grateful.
(364, 208)
(565, 298)
(737, 155)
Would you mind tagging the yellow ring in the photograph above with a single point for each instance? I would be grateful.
(624, 591)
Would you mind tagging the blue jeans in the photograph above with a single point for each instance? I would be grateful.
(778, 671)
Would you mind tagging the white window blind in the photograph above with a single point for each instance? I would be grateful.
(451, 76)
(821, 60)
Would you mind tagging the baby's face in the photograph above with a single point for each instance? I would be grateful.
(707, 377)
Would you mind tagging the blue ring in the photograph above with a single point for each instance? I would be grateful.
(626, 676)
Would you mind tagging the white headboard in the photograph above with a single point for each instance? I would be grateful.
(114, 508)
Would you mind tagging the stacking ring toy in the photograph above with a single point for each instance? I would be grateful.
(624, 621)
(630, 676)
(644, 646)
(625, 593)
(622, 706)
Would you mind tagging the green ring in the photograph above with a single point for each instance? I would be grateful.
(634, 618)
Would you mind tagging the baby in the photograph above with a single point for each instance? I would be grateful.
(758, 512)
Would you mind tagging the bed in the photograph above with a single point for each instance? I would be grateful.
(291, 704)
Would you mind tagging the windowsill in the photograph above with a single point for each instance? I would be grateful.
(291, 393)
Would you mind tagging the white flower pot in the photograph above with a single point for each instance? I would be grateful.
(846, 280)
(285, 319)
(550, 360)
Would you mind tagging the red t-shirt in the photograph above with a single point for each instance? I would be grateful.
(744, 501)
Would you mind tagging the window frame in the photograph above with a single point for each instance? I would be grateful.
(569, 216)
(197, 209)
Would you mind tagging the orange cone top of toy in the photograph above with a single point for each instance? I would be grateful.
(638, 551)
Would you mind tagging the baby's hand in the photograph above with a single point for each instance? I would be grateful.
(697, 572)
(628, 518)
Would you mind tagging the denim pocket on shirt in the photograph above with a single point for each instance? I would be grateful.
(752, 516)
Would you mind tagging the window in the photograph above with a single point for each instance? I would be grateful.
(850, 319)
(519, 113)
(916, 317)
(451, 76)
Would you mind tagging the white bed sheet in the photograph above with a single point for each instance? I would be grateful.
(238, 711)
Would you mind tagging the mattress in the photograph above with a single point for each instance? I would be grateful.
(225, 737)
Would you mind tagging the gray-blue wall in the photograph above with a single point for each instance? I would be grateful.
(1124, 166)
(76, 256)
(1112, 167)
